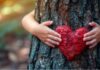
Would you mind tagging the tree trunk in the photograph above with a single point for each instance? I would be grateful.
(77, 13)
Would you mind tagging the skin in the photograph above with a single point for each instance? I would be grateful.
(92, 38)
(52, 38)
(42, 31)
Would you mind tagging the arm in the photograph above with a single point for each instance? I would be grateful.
(42, 31)
(29, 23)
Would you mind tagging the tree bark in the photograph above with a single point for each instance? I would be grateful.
(77, 13)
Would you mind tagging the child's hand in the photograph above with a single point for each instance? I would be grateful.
(47, 35)
(93, 37)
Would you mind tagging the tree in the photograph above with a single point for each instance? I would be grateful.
(77, 13)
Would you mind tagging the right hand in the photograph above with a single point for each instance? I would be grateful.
(47, 35)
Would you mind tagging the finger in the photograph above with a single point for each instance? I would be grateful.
(52, 32)
(91, 42)
(93, 45)
(89, 38)
(54, 38)
(47, 23)
(92, 32)
(94, 24)
(49, 44)
(53, 42)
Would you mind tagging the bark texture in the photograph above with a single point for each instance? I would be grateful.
(76, 13)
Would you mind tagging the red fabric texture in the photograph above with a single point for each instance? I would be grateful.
(72, 43)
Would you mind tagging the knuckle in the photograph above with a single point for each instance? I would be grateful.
(56, 38)
(47, 40)
(94, 36)
(48, 36)
(51, 31)
(46, 32)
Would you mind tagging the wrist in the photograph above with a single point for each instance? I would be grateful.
(35, 29)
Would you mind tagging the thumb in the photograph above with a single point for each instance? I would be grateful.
(47, 23)
(93, 24)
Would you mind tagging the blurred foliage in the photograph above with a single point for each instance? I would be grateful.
(13, 25)
(11, 13)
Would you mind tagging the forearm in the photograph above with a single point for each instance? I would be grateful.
(41, 31)
(29, 23)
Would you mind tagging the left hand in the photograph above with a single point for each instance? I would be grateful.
(92, 38)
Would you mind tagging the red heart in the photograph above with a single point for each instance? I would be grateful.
(72, 43)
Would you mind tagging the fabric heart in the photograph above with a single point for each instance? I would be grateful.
(72, 43)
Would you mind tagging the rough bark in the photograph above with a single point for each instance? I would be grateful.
(77, 13)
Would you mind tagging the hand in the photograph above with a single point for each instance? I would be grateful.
(47, 35)
(92, 37)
